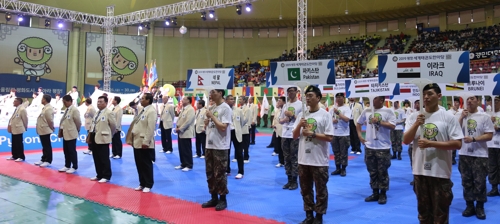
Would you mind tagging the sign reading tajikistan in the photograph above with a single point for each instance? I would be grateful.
(338, 87)
(213, 78)
(370, 86)
(289, 72)
(442, 67)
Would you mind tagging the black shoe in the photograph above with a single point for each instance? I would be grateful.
(342, 173)
(252, 143)
(412, 183)
(493, 192)
(287, 185)
(480, 210)
(469, 210)
(210, 204)
(399, 157)
(318, 219)
(309, 218)
(453, 162)
(382, 199)
(336, 172)
(293, 186)
(221, 205)
(393, 156)
(373, 197)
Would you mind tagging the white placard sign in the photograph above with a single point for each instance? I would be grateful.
(370, 86)
(210, 78)
(441, 67)
(338, 87)
(316, 72)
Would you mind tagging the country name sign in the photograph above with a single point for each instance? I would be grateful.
(338, 87)
(210, 78)
(442, 67)
(315, 72)
(370, 86)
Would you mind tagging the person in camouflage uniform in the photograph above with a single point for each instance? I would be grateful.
(397, 134)
(494, 152)
(341, 140)
(409, 122)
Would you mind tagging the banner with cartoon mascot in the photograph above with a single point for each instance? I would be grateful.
(32, 58)
(128, 57)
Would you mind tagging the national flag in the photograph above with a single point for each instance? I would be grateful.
(444, 102)
(236, 101)
(244, 91)
(362, 88)
(200, 79)
(328, 101)
(293, 74)
(145, 75)
(327, 88)
(275, 91)
(265, 104)
(175, 101)
(205, 99)
(238, 91)
(361, 102)
(197, 98)
(193, 102)
(274, 103)
(455, 87)
(402, 90)
(255, 100)
(281, 91)
(153, 77)
(408, 70)
(179, 105)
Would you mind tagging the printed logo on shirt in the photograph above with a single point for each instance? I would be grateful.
(471, 126)
(396, 113)
(379, 119)
(312, 124)
(430, 131)
(497, 121)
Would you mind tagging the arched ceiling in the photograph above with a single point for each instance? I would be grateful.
(266, 13)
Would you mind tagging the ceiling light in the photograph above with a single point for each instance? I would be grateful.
(238, 9)
(203, 16)
(60, 24)
(47, 22)
(140, 26)
(249, 7)
(211, 14)
(20, 18)
(167, 22)
(173, 21)
(8, 16)
(418, 2)
(347, 12)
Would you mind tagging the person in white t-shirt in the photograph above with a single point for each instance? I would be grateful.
(473, 160)
(397, 133)
(314, 132)
(377, 147)
(494, 152)
(340, 114)
(218, 118)
(432, 157)
(456, 111)
(408, 123)
(289, 145)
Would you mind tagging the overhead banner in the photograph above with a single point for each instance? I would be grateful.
(33, 58)
(128, 57)
(441, 67)
(213, 78)
(314, 72)
(485, 54)
(338, 87)
(370, 86)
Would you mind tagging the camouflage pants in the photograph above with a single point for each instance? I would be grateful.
(340, 145)
(494, 166)
(410, 154)
(378, 162)
(473, 171)
(290, 150)
(434, 198)
(397, 140)
(216, 166)
(317, 176)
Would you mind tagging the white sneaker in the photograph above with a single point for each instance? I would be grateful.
(195, 156)
(358, 153)
(153, 162)
(202, 157)
(19, 160)
(94, 179)
(168, 152)
(246, 161)
(103, 180)
(70, 171)
(138, 188)
(279, 165)
(161, 151)
(239, 176)
(111, 156)
(352, 152)
(274, 154)
(90, 153)
(45, 164)
(87, 152)
(10, 158)
(178, 167)
(234, 160)
(186, 169)
(64, 169)
(146, 190)
(38, 163)
(117, 157)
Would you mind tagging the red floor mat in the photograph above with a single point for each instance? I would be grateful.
(151, 205)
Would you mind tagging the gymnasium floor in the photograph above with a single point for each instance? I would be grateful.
(34, 195)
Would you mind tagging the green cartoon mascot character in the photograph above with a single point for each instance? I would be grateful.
(123, 61)
(379, 119)
(311, 126)
(34, 53)
(471, 126)
(430, 131)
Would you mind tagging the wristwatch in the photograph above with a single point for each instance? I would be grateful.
(473, 139)
(313, 135)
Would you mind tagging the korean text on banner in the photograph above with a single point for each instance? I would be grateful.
(370, 86)
(213, 78)
(441, 67)
(338, 87)
(289, 72)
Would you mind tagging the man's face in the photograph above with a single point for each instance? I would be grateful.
(185, 101)
(416, 105)
(456, 104)
(165, 99)
(241, 100)
(280, 103)
(431, 98)
(144, 101)
(230, 101)
(58, 97)
(198, 105)
(40, 90)
(73, 89)
(472, 102)
(339, 100)
(44, 101)
(67, 103)
(250, 100)
(16, 103)
(215, 95)
(292, 93)
(101, 104)
(311, 99)
(378, 102)
(396, 104)
(145, 89)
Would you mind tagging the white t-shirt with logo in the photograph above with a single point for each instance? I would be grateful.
(439, 126)
(400, 116)
(495, 141)
(380, 132)
(220, 140)
(296, 108)
(312, 151)
(455, 112)
(341, 128)
(476, 125)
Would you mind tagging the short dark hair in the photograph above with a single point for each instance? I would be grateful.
(104, 94)
(131, 104)
(433, 86)
(456, 99)
(315, 90)
(189, 99)
(293, 87)
(57, 94)
(40, 88)
(221, 91)
(339, 94)
(88, 100)
(149, 97)
(244, 98)
(35, 93)
(117, 99)
(47, 97)
(104, 98)
(282, 98)
(67, 98)
(202, 102)
(20, 100)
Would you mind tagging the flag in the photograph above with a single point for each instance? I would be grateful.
(274, 103)
(145, 75)
(193, 102)
(255, 101)
(238, 91)
(81, 100)
(293, 74)
(281, 91)
(153, 76)
(362, 88)
(361, 102)
(175, 101)
(404, 90)
(236, 101)
(197, 98)
(444, 102)
(265, 104)
(327, 88)
(484, 103)
(455, 87)
(179, 105)
(205, 99)
(328, 101)
(408, 70)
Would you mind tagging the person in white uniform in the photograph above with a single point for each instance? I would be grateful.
(341, 141)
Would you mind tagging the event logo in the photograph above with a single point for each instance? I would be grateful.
(430, 131)
(294, 74)
(379, 119)
(471, 126)
(123, 61)
(34, 53)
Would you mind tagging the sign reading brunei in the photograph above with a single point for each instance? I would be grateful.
(313, 72)
(213, 78)
(442, 67)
